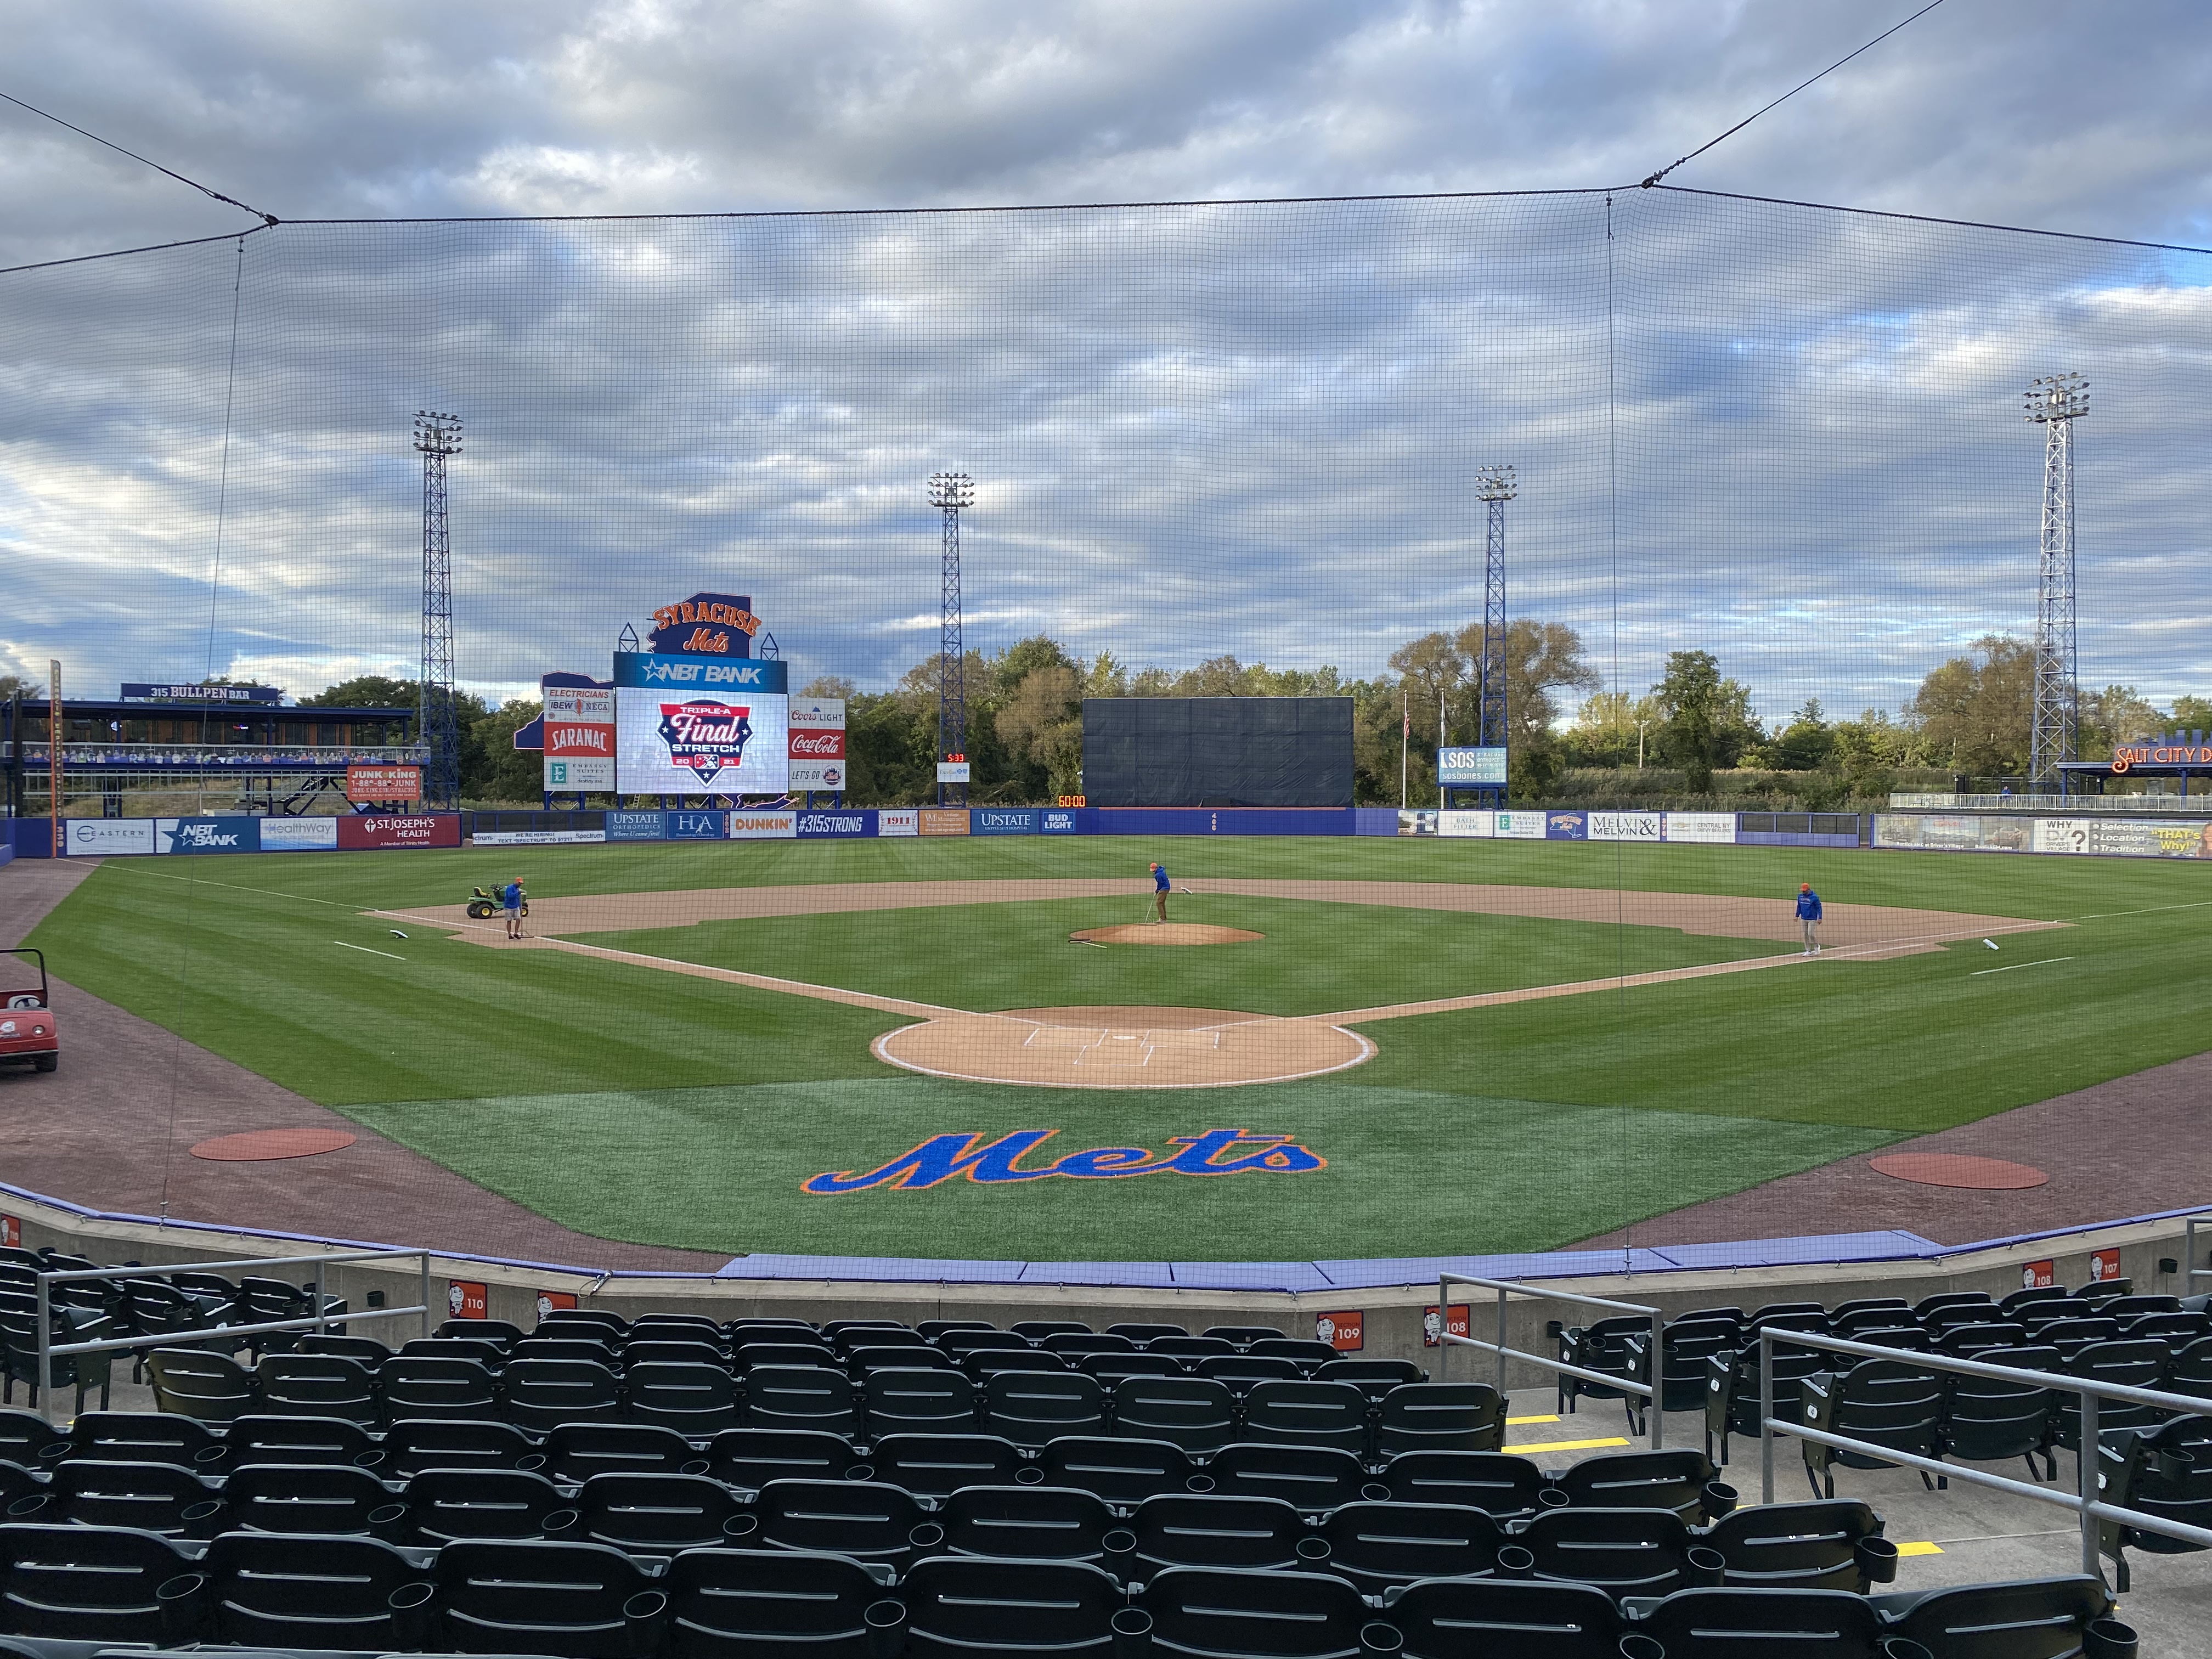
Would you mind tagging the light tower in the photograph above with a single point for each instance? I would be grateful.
(1495, 485)
(2054, 402)
(438, 436)
(949, 492)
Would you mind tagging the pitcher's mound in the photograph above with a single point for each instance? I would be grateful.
(1167, 932)
(1121, 1048)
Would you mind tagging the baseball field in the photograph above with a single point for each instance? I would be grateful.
(899, 1048)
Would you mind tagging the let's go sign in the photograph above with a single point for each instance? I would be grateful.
(999, 1162)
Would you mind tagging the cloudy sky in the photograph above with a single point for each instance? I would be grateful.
(1788, 436)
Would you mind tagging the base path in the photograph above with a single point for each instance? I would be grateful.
(1123, 1048)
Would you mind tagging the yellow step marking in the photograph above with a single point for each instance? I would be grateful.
(1566, 1445)
(1920, 1549)
(1513, 1422)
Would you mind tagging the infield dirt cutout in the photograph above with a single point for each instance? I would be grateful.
(1124, 1048)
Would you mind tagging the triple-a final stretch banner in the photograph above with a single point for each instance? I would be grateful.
(691, 725)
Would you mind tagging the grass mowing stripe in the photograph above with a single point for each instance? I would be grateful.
(2012, 966)
(387, 955)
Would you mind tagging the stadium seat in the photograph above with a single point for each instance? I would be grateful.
(1142, 1333)
(1678, 1479)
(984, 1363)
(539, 1346)
(1810, 1624)
(1111, 1368)
(1883, 1305)
(1304, 1352)
(28, 1439)
(1242, 1336)
(933, 1329)
(495, 1331)
(692, 1328)
(365, 1349)
(2175, 1329)
(1376, 1545)
(1887, 1402)
(963, 1340)
(252, 1440)
(1186, 1529)
(1196, 1413)
(1241, 1370)
(314, 1497)
(1972, 1341)
(150, 1496)
(1619, 1347)
(654, 1513)
(266, 1301)
(1373, 1377)
(1831, 1544)
(1685, 1345)
(543, 1393)
(867, 1356)
(147, 1437)
(1439, 1417)
(492, 1356)
(577, 1451)
(16, 1481)
(1076, 1344)
(2137, 1364)
(916, 1400)
(1036, 1330)
(316, 1593)
(1986, 1420)
(960, 1609)
(2030, 1619)
(2166, 1472)
(801, 1397)
(842, 1332)
(748, 1357)
(19, 1354)
(750, 1458)
(2190, 1369)
(318, 1385)
(417, 1385)
(1497, 1619)
(770, 1330)
(1734, 1393)
(1239, 1615)
(939, 1465)
(209, 1386)
(98, 1584)
(745, 1604)
(575, 1599)
(613, 1325)
(1950, 1316)
(2070, 1336)
(1498, 1483)
(698, 1398)
(415, 1444)
(1311, 1479)
(1122, 1470)
(2009, 1304)
(1621, 1552)
(875, 1524)
(1031, 1408)
(1037, 1523)
(664, 1349)
(1190, 1349)
(1300, 1413)
(444, 1505)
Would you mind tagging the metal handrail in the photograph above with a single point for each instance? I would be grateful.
(318, 1321)
(2083, 1501)
(1505, 1287)
(2189, 1271)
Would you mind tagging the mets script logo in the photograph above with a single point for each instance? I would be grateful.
(705, 734)
(1216, 1152)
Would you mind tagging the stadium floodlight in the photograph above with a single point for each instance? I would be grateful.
(952, 490)
(2057, 398)
(949, 492)
(2054, 402)
(437, 435)
(1495, 483)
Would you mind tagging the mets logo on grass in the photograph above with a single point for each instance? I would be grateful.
(706, 735)
(999, 1162)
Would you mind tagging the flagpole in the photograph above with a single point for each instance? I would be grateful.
(1405, 738)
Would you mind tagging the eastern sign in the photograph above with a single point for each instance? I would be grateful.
(998, 1161)
(688, 725)
(705, 625)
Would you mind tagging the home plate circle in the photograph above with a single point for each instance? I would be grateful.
(1955, 1169)
(1122, 1048)
(259, 1146)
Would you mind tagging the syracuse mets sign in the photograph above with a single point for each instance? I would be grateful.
(705, 625)
(692, 726)
(998, 1163)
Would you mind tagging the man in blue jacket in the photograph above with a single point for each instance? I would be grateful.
(1809, 913)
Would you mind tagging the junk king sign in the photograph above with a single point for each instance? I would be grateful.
(705, 625)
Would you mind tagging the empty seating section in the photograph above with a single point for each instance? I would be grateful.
(860, 1490)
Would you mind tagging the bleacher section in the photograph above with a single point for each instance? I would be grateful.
(862, 1489)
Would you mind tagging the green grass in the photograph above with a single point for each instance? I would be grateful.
(639, 1105)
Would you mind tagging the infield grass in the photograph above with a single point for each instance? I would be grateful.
(639, 1105)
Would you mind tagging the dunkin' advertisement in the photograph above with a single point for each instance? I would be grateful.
(692, 726)
(817, 743)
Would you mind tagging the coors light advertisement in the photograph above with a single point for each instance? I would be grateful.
(817, 743)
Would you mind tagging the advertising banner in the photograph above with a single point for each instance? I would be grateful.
(299, 834)
(898, 821)
(706, 624)
(1716, 829)
(763, 826)
(853, 821)
(134, 691)
(107, 838)
(1057, 821)
(372, 832)
(228, 834)
(817, 743)
(1950, 832)
(536, 837)
(2135, 838)
(1624, 826)
(1467, 825)
(1005, 820)
(943, 820)
(1416, 823)
(955, 771)
(375, 783)
(578, 733)
(697, 826)
(1518, 826)
(648, 825)
(701, 726)
(1471, 768)
(1566, 826)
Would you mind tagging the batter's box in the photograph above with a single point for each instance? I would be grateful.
(1117, 1048)
(1063, 1036)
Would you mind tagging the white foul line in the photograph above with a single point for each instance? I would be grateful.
(2040, 962)
(343, 944)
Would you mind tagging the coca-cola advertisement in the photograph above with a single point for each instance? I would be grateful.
(372, 832)
(817, 743)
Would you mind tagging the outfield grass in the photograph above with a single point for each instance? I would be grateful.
(639, 1105)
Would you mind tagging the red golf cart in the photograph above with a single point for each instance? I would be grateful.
(26, 1014)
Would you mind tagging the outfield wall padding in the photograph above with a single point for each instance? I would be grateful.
(1218, 752)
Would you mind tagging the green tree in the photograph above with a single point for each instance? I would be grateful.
(1689, 703)
(1806, 745)
(492, 767)
(14, 685)
(2114, 716)
(829, 685)
(1972, 714)
(2191, 713)
(367, 691)
(1042, 722)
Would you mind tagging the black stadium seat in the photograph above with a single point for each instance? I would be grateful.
(318, 1385)
(750, 1458)
(314, 1497)
(147, 1437)
(583, 1600)
(697, 1398)
(1499, 1619)
(98, 1584)
(2032, 1618)
(1810, 1624)
(298, 1440)
(1834, 1543)
(1312, 1479)
(1679, 1480)
(1238, 1615)
(446, 1504)
(1196, 1413)
(1038, 1523)
(150, 1496)
(1120, 1470)
(577, 1451)
(1300, 1413)
(747, 1604)
(1194, 1530)
(1439, 1417)
(1621, 1552)
(870, 1522)
(413, 1444)
(1031, 1408)
(939, 1465)
(959, 1609)
(543, 1393)
(1376, 1545)
(317, 1592)
(421, 1385)
(910, 1399)
(1499, 1483)
(801, 1397)
(654, 1513)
